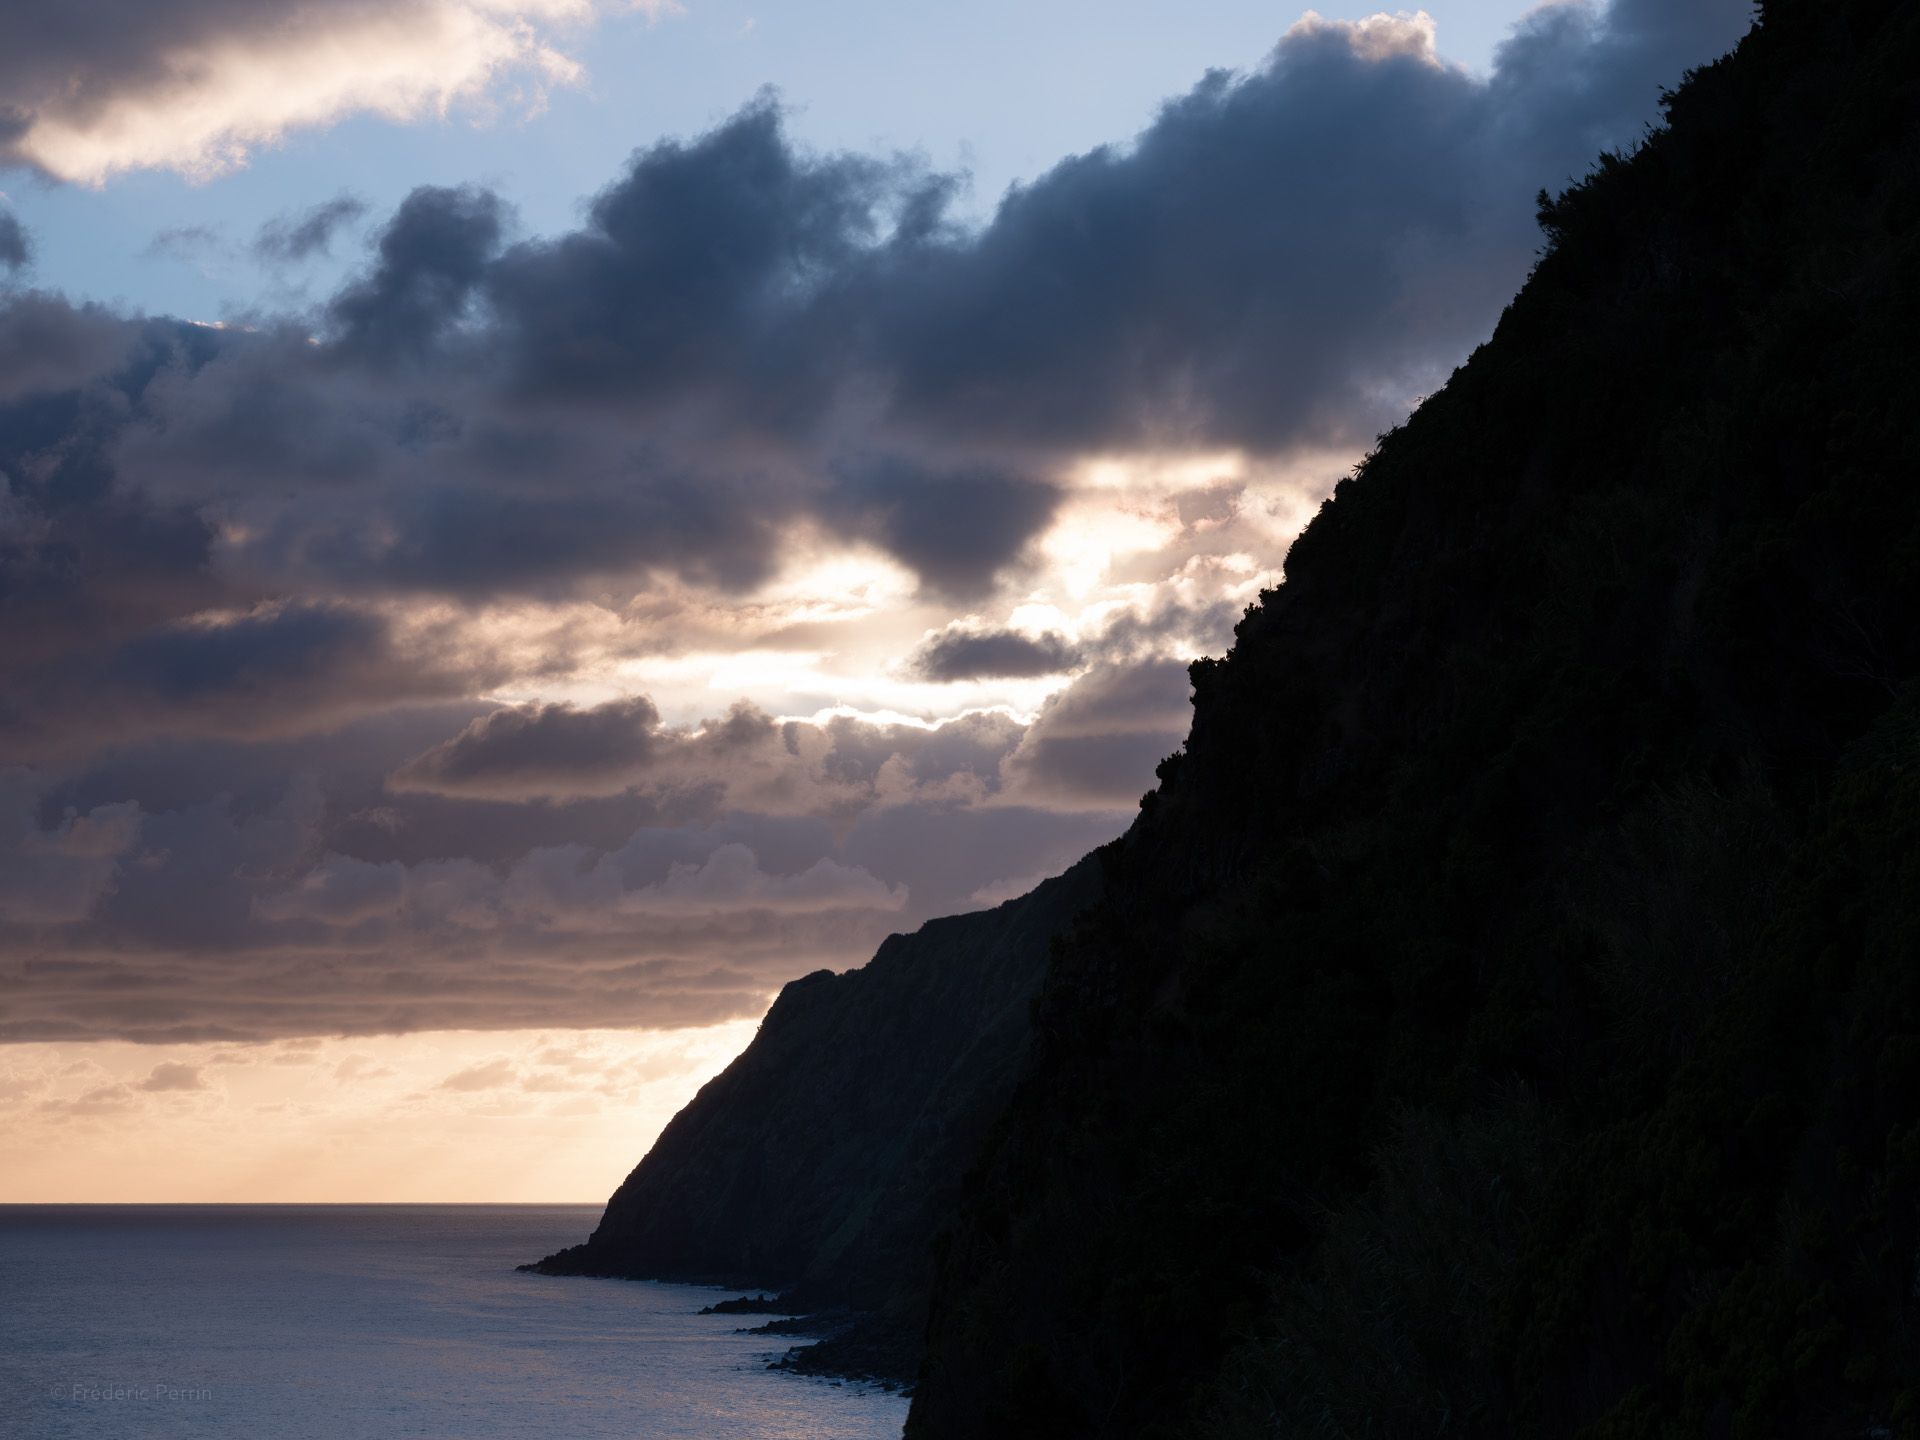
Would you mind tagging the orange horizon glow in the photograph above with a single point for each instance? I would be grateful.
(555, 1117)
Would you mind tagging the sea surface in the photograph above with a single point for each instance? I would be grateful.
(360, 1322)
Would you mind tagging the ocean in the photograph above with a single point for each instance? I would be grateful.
(361, 1322)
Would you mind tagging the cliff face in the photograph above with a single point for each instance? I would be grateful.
(1505, 1017)
(818, 1161)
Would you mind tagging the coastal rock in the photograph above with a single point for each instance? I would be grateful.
(821, 1161)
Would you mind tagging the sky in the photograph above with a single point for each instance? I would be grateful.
(527, 524)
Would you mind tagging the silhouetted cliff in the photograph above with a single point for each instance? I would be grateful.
(1505, 1017)
(821, 1160)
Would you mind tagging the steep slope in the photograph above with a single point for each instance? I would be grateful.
(1505, 1017)
(821, 1159)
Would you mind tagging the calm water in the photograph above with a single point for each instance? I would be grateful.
(344, 1322)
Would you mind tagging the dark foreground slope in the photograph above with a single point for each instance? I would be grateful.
(820, 1161)
(1505, 1018)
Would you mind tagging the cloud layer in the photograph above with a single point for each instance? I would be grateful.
(601, 628)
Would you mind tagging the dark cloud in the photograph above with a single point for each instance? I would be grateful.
(47, 346)
(432, 257)
(305, 653)
(183, 242)
(1173, 626)
(116, 615)
(965, 653)
(1096, 744)
(956, 528)
(1279, 252)
(471, 533)
(56, 873)
(690, 272)
(287, 239)
(362, 817)
(542, 749)
(277, 668)
(1170, 626)
(16, 246)
(1572, 79)
(88, 578)
(87, 569)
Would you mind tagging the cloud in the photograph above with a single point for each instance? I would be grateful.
(173, 1076)
(338, 891)
(213, 658)
(1169, 625)
(362, 1067)
(196, 85)
(966, 653)
(271, 668)
(491, 1075)
(1097, 743)
(1280, 251)
(222, 904)
(727, 884)
(287, 239)
(16, 246)
(691, 269)
(57, 874)
(49, 346)
(103, 1101)
(183, 242)
(544, 749)
(956, 527)
(433, 254)
(744, 760)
